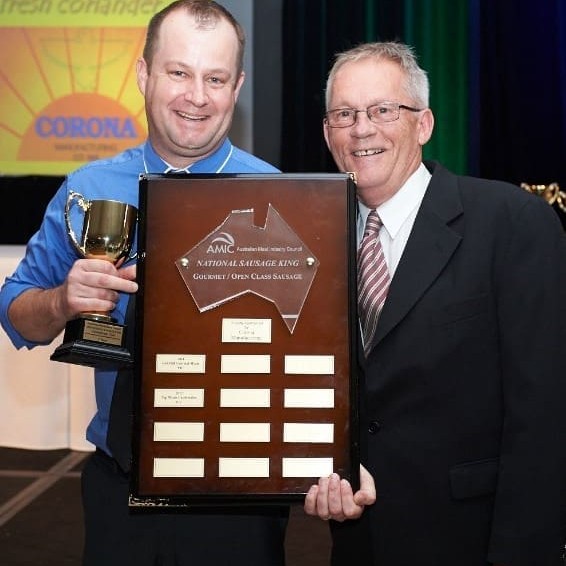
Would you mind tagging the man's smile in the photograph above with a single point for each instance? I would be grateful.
(366, 152)
(192, 117)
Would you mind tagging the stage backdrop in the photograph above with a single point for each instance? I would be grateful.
(68, 89)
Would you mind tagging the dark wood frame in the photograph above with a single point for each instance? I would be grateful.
(175, 214)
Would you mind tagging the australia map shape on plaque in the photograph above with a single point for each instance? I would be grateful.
(239, 257)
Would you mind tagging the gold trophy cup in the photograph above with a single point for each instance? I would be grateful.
(95, 339)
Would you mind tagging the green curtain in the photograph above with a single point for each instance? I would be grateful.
(315, 30)
(438, 30)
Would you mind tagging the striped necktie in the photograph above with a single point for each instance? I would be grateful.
(373, 279)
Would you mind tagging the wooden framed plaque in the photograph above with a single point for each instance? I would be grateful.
(245, 357)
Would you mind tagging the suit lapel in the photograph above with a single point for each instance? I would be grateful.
(430, 246)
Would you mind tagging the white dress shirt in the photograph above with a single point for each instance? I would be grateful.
(398, 216)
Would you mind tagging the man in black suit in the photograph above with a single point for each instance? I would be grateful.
(463, 383)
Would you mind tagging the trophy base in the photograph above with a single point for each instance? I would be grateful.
(94, 344)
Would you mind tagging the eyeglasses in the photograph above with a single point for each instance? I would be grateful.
(378, 113)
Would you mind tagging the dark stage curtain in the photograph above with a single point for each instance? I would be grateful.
(523, 91)
(497, 71)
(314, 31)
(522, 102)
(25, 199)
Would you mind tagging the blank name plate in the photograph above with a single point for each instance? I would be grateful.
(245, 381)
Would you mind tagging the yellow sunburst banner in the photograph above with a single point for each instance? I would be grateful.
(72, 13)
(68, 92)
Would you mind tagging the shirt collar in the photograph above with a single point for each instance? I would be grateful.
(213, 163)
(395, 211)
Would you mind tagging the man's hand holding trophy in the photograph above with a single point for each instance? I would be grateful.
(95, 338)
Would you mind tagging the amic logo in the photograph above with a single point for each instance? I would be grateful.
(239, 257)
(222, 244)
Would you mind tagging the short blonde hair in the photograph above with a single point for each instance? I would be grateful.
(416, 84)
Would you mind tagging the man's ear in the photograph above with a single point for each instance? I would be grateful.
(238, 85)
(142, 73)
(426, 125)
(325, 132)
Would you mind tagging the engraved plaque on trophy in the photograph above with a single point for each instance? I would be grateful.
(95, 338)
(245, 344)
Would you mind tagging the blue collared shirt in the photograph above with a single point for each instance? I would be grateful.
(50, 253)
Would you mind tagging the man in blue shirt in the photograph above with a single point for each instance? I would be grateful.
(190, 75)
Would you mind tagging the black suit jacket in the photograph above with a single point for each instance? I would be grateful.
(463, 397)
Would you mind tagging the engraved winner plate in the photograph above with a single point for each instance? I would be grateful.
(246, 349)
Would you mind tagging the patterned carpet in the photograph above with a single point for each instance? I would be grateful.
(41, 516)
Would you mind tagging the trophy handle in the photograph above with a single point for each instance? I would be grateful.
(84, 204)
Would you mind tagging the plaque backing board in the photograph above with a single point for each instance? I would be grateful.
(176, 214)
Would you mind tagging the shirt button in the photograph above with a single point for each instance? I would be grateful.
(374, 427)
